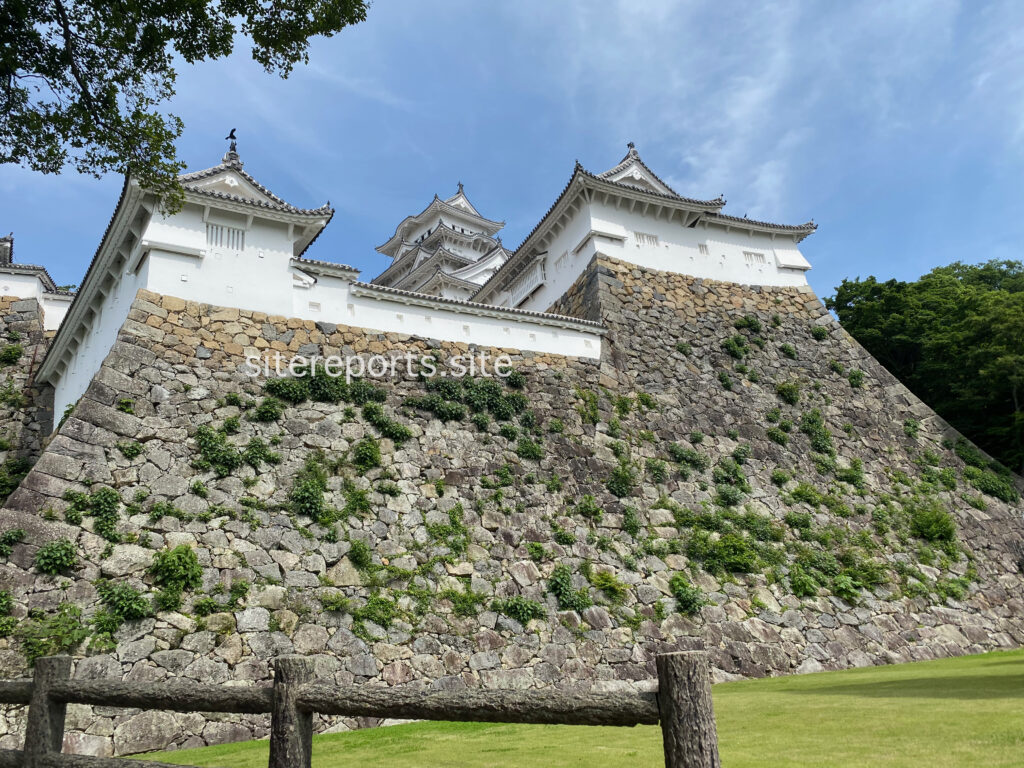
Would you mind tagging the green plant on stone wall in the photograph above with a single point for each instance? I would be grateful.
(568, 598)
(269, 409)
(307, 494)
(129, 449)
(215, 452)
(856, 379)
(366, 454)
(736, 346)
(610, 586)
(657, 470)
(11, 396)
(587, 407)
(520, 609)
(49, 635)
(102, 505)
(8, 539)
(788, 350)
(175, 571)
(749, 322)
(10, 354)
(56, 557)
(689, 598)
(12, 472)
(788, 392)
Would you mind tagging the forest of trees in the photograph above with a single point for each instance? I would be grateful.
(954, 337)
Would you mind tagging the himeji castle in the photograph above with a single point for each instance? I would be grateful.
(235, 243)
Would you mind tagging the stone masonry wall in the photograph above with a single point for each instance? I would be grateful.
(658, 488)
(25, 409)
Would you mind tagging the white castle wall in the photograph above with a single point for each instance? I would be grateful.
(677, 249)
(264, 278)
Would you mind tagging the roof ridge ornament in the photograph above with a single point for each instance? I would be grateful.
(460, 188)
(231, 156)
(632, 150)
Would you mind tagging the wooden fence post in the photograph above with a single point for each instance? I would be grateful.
(44, 729)
(291, 729)
(687, 714)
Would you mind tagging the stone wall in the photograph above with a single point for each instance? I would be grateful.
(25, 409)
(463, 515)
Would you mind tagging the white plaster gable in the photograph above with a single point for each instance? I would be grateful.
(230, 182)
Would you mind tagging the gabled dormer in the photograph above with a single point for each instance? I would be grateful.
(633, 172)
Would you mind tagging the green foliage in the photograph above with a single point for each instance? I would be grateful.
(989, 482)
(360, 555)
(12, 472)
(736, 346)
(731, 553)
(856, 379)
(56, 557)
(812, 424)
(125, 405)
(529, 449)
(49, 635)
(175, 571)
(366, 454)
(291, 390)
(335, 602)
(454, 534)
(560, 585)
(8, 539)
(911, 427)
(536, 551)
(257, 452)
(393, 430)
(109, 76)
(465, 603)
(11, 396)
(562, 536)
(929, 520)
(269, 409)
(587, 407)
(631, 522)
(684, 348)
(6, 602)
(215, 452)
(776, 435)
(780, 477)
(725, 380)
(750, 322)
(122, 602)
(612, 588)
(520, 609)
(102, 505)
(307, 494)
(130, 449)
(556, 426)
(689, 456)
(788, 391)
(10, 354)
(657, 470)
(481, 421)
(588, 508)
(204, 606)
(788, 350)
(689, 597)
(622, 479)
(819, 332)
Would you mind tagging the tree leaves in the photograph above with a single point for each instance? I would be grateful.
(82, 81)
(955, 337)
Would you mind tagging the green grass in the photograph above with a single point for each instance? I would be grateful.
(955, 712)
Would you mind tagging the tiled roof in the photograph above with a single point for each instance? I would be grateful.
(544, 316)
(34, 269)
(232, 162)
(805, 228)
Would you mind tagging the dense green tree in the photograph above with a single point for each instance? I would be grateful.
(955, 337)
(82, 81)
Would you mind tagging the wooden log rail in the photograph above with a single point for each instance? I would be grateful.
(682, 706)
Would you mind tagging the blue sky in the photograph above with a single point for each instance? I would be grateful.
(897, 127)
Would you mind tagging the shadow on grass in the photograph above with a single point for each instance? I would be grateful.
(1003, 686)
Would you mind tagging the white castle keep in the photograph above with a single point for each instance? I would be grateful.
(236, 244)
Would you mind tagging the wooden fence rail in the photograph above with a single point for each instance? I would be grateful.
(682, 705)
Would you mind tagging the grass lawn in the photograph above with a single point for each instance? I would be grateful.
(955, 712)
